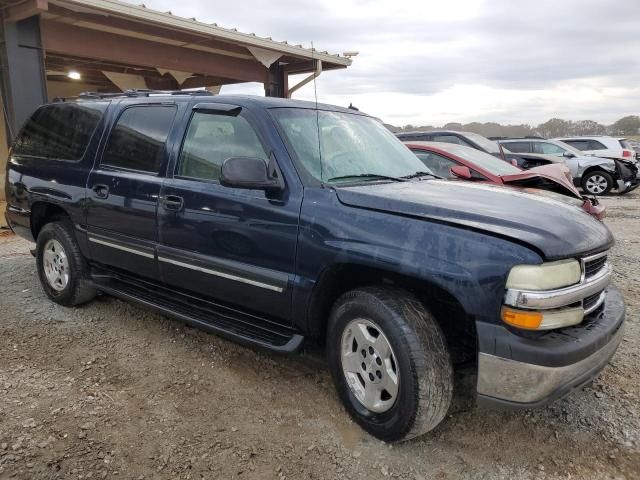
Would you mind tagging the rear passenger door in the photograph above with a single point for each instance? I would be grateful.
(124, 186)
(232, 246)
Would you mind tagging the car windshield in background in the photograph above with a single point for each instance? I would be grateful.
(489, 145)
(351, 147)
(483, 160)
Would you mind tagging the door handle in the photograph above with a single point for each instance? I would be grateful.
(173, 202)
(101, 190)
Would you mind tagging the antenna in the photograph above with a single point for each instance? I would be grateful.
(315, 93)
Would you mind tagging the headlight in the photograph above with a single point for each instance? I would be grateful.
(548, 276)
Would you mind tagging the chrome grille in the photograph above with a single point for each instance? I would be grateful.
(593, 266)
(591, 302)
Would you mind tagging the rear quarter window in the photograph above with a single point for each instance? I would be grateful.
(59, 131)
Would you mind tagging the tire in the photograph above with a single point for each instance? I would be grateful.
(597, 182)
(419, 359)
(62, 268)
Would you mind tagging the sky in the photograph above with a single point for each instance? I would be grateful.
(429, 62)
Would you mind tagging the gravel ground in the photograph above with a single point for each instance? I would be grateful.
(110, 390)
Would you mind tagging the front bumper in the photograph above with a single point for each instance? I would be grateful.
(523, 372)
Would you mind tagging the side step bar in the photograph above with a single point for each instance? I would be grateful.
(227, 322)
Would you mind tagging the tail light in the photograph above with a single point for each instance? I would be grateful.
(627, 153)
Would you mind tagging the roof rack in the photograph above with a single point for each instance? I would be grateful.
(133, 92)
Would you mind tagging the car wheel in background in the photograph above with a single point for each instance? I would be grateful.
(390, 363)
(597, 182)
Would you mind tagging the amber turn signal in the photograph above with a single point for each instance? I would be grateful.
(522, 319)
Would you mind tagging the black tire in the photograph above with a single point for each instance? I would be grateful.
(601, 175)
(79, 288)
(422, 360)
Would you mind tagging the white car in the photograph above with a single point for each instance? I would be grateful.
(602, 146)
(596, 175)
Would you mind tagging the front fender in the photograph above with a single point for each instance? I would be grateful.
(470, 265)
(585, 164)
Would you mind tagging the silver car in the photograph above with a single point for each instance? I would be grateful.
(596, 175)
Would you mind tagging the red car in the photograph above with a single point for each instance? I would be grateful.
(450, 160)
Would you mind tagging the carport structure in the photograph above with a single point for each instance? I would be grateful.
(54, 48)
(115, 45)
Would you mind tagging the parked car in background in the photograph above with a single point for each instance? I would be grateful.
(457, 161)
(277, 222)
(468, 139)
(602, 146)
(596, 175)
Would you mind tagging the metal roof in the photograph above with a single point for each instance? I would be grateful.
(191, 25)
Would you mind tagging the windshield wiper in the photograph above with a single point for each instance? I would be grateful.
(374, 176)
(422, 174)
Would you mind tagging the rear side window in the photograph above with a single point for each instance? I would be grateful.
(579, 144)
(518, 147)
(548, 149)
(137, 141)
(450, 139)
(595, 145)
(59, 131)
(211, 139)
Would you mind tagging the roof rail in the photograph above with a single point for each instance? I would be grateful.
(133, 92)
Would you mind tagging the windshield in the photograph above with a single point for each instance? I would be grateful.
(489, 145)
(353, 147)
(483, 160)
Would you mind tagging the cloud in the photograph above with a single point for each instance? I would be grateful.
(429, 62)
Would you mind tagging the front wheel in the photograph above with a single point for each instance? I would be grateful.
(597, 183)
(390, 363)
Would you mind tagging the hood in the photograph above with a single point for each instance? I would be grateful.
(556, 229)
(557, 178)
(556, 173)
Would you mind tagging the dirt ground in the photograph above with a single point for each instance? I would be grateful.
(111, 390)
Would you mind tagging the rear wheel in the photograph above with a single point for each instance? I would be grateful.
(597, 182)
(62, 269)
(390, 363)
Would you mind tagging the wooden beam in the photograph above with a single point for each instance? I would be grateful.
(82, 42)
(25, 10)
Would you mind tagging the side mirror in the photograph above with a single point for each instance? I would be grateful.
(251, 173)
(568, 154)
(461, 171)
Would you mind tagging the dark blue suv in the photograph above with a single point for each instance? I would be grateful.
(278, 223)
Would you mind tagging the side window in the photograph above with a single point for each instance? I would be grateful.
(211, 139)
(518, 147)
(59, 131)
(579, 144)
(548, 149)
(437, 164)
(137, 141)
(595, 145)
(450, 139)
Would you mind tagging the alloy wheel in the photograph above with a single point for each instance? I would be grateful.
(56, 265)
(596, 184)
(369, 365)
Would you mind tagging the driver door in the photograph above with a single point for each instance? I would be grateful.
(232, 246)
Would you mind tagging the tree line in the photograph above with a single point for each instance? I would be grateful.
(555, 127)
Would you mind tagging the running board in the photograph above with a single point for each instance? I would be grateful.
(227, 322)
